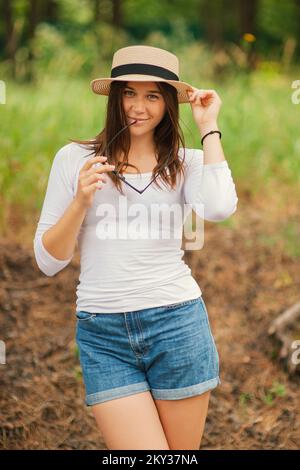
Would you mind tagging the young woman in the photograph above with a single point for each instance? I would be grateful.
(147, 353)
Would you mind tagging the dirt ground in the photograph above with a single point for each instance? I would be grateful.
(245, 282)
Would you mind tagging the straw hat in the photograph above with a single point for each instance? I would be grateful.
(140, 64)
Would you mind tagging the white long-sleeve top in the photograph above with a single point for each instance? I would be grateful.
(127, 262)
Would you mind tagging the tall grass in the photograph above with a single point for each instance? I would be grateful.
(259, 123)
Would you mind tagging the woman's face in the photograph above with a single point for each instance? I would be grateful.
(144, 101)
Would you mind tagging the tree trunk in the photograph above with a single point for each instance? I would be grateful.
(247, 12)
(117, 17)
(298, 26)
(51, 11)
(212, 19)
(34, 16)
(10, 35)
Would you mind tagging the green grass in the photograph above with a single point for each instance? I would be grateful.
(245, 398)
(268, 397)
(277, 390)
(287, 235)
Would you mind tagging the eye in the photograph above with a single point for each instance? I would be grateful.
(129, 91)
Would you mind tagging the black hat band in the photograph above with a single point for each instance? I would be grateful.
(143, 69)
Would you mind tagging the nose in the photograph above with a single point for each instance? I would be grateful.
(138, 106)
(138, 110)
(138, 114)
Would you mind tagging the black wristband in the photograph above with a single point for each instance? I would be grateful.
(211, 132)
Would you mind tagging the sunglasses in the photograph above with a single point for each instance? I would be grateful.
(122, 177)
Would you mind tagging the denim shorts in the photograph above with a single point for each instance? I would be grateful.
(168, 350)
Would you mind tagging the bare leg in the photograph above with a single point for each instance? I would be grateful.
(130, 423)
(184, 420)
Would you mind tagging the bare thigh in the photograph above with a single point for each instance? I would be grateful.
(184, 420)
(130, 423)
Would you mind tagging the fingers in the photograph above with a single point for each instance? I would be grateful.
(195, 94)
(95, 178)
(91, 161)
(91, 188)
(203, 94)
(100, 169)
(91, 183)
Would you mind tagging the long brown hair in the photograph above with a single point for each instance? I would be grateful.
(167, 136)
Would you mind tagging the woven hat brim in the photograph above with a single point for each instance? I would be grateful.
(101, 86)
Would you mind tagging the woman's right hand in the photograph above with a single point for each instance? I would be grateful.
(91, 178)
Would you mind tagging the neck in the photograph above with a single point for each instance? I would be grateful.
(141, 147)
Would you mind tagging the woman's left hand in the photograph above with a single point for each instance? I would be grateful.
(205, 105)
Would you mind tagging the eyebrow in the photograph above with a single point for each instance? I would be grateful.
(149, 91)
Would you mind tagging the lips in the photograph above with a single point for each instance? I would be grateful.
(136, 119)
